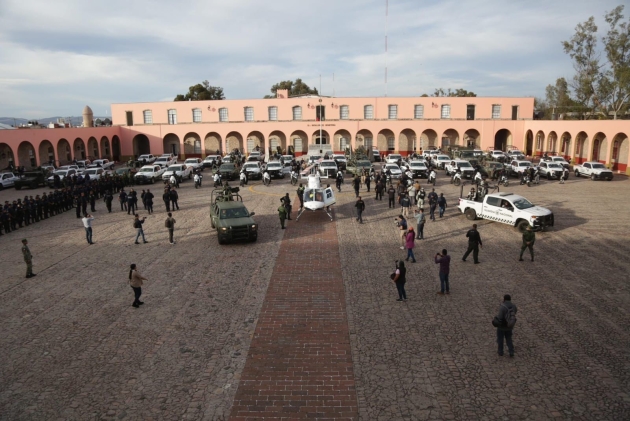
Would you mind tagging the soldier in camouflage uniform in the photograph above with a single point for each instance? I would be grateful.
(28, 258)
(529, 238)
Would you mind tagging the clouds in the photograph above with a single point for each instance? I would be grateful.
(57, 57)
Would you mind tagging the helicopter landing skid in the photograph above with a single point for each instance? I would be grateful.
(328, 213)
(297, 218)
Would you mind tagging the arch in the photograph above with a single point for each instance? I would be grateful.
(619, 152)
(78, 149)
(26, 155)
(502, 140)
(278, 139)
(565, 145)
(141, 145)
(386, 141)
(255, 139)
(46, 152)
(325, 138)
(365, 138)
(213, 143)
(407, 141)
(171, 144)
(299, 141)
(539, 143)
(106, 151)
(64, 152)
(552, 142)
(92, 148)
(472, 139)
(234, 140)
(116, 148)
(600, 147)
(529, 143)
(340, 146)
(428, 138)
(581, 148)
(192, 144)
(7, 158)
(450, 138)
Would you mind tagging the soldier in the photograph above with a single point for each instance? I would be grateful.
(529, 238)
(108, 199)
(391, 194)
(84, 203)
(420, 198)
(356, 183)
(474, 242)
(360, 205)
(166, 198)
(170, 225)
(300, 193)
(286, 201)
(122, 198)
(368, 180)
(28, 258)
(175, 197)
(92, 199)
(442, 204)
(148, 197)
(131, 202)
(433, 200)
(282, 214)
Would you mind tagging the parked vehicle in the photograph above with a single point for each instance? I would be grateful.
(231, 218)
(194, 163)
(149, 174)
(7, 179)
(93, 173)
(228, 172)
(594, 170)
(62, 174)
(180, 171)
(210, 161)
(105, 164)
(166, 161)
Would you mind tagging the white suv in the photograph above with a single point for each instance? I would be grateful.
(181, 172)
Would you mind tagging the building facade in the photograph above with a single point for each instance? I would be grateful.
(389, 124)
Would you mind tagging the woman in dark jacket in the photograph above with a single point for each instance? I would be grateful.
(399, 279)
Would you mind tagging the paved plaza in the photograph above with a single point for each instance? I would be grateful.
(304, 323)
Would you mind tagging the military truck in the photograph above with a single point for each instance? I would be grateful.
(230, 217)
(357, 165)
(31, 179)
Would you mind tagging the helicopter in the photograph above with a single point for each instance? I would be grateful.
(316, 197)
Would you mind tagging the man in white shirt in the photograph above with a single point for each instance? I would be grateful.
(87, 223)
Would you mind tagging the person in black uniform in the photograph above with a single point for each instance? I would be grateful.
(122, 198)
(108, 199)
(174, 198)
(166, 197)
(92, 201)
(474, 242)
(148, 198)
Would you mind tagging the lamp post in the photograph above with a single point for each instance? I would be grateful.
(320, 124)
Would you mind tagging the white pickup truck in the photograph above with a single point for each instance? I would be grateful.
(595, 170)
(508, 208)
(149, 174)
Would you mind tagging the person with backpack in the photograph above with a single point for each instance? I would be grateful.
(170, 225)
(504, 322)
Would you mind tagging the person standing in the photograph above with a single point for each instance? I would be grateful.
(282, 214)
(143, 197)
(410, 243)
(400, 278)
(441, 202)
(135, 281)
(300, 194)
(433, 198)
(405, 203)
(122, 198)
(378, 188)
(170, 225)
(87, 224)
(402, 226)
(368, 181)
(174, 198)
(137, 224)
(360, 205)
(474, 242)
(166, 197)
(148, 198)
(444, 260)
(507, 312)
(28, 258)
(108, 199)
(356, 183)
(529, 238)
(286, 201)
(391, 195)
(420, 219)
(420, 198)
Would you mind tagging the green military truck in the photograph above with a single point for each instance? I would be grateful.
(230, 217)
(31, 179)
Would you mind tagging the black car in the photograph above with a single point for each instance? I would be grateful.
(228, 172)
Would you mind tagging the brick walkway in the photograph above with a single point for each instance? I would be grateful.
(299, 364)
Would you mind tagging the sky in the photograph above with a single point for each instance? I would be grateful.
(56, 57)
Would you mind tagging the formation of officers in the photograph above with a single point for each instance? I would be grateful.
(77, 192)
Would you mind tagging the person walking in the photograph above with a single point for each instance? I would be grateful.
(166, 197)
(174, 198)
(368, 181)
(148, 197)
(356, 182)
(137, 224)
(286, 201)
(433, 198)
(400, 278)
(529, 238)
(405, 203)
(28, 258)
(441, 202)
(170, 225)
(420, 220)
(378, 188)
(135, 281)
(300, 194)
(420, 198)
(410, 243)
(282, 214)
(122, 198)
(108, 199)
(87, 224)
(474, 242)
(360, 205)
(391, 194)
(505, 318)
(444, 260)
(402, 226)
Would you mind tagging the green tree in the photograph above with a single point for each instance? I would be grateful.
(450, 93)
(558, 99)
(614, 85)
(202, 92)
(295, 88)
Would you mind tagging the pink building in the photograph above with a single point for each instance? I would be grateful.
(401, 124)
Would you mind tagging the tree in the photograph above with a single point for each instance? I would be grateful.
(450, 93)
(600, 88)
(295, 88)
(558, 99)
(202, 92)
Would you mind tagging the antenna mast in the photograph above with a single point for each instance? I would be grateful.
(386, 30)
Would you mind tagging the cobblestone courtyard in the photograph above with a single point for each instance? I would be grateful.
(73, 348)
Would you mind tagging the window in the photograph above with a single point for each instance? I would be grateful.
(392, 112)
(446, 111)
(249, 114)
(129, 115)
(496, 111)
(418, 111)
(470, 112)
(343, 143)
(344, 112)
(368, 143)
(223, 114)
(172, 116)
(148, 116)
(273, 142)
(391, 144)
(273, 113)
(514, 112)
(297, 113)
(320, 113)
(368, 112)
(196, 115)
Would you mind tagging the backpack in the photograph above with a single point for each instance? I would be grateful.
(167, 223)
(510, 317)
(136, 224)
